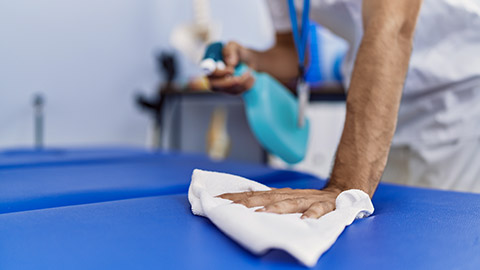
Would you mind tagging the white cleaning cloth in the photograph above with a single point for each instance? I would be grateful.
(305, 239)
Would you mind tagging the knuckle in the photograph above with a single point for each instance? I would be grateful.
(319, 204)
(231, 44)
(313, 211)
(318, 207)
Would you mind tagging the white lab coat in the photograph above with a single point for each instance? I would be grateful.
(440, 110)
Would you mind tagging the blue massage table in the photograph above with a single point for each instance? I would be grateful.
(123, 208)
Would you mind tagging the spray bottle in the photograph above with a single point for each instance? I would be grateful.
(271, 110)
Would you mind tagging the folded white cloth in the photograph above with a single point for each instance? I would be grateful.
(305, 239)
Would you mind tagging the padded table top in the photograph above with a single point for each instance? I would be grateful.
(59, 178)
(28, 157)
(411, 228)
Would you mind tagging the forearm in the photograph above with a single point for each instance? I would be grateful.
(372, 106)
(280, 61)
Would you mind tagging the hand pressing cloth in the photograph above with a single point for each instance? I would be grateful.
(304, 239)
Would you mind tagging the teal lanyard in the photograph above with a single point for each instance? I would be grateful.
(300, 39)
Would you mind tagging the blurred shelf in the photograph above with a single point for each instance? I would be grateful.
(325, 92)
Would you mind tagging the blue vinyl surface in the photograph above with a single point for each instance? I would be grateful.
(28, 157)
(48, 180)
(411, 228)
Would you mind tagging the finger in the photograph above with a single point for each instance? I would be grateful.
(227, 84)
(264, 199)
(237, 196)
(220, 73)
(295, 205)
(254, 201)
(318, 209)
(248, 80)
(233, 85)
(241, 195)
(231, 54)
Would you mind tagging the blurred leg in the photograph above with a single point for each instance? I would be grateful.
(452, 166)
(396, 170)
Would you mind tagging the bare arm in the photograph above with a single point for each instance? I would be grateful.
(372, 107)
(375, 92)
(280, 61)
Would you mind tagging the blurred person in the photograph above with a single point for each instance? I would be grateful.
(412, 76)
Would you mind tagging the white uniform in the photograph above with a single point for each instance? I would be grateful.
(437, 141)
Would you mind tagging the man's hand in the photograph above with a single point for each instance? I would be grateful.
(223, 80)
(280, 61)
(312, 203)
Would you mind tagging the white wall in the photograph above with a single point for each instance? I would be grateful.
(88, 57)
(245, 21)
